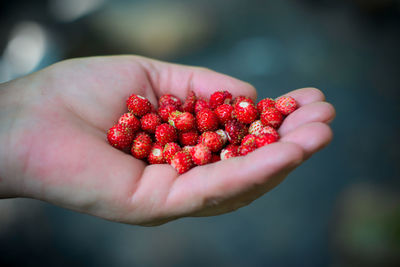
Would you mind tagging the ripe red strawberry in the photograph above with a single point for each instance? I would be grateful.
(257, 128)
(224, 113)
(235, 131)
(215, 158)
(138, 105)
(212, 140)
(265, 139)
(248, 140)
(271, 117)
(170, 149)
(190, 102)
(222, 134)
(182, 162)
(120, 137)
(219, 98)
(187, 149)
(165, 133)
(129, 120)
(229, 152)
(245, 112)
(265, 103)
(188, 138)
(149, 122)
(169, 100)
(286, 105)
(183, 121)
(246, 149)
(156, 155)
(269, 130)
(201, 154)
(200, 105)
(165, 111)
(206, 120)
(241, 98)
(141, 146)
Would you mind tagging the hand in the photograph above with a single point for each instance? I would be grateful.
(53, 126)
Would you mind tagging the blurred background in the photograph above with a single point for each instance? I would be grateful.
(341, 208)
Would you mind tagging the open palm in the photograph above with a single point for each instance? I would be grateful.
(57, 149)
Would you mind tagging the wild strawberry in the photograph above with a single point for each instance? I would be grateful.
(246, 149)
(271, 117)
(165, 133)
(129, 120)
(170, 149)
(189, 103)
(183, 121)
(265, 139)
(245, 112)
(219, 98)
(286, 105)
(222, 134)
(241, 98)
(200, 105)
(138, 105)
(201, 154)
(206, 120)
(149, 122)
(229, 152)
(235, 131)
(141, 146)
(169, 100)
(215, 158)
(212, 140)
(156, 155)
(120, 137)
(165, 111)
(187, 149)
(269, 130)
(188, 138)
(182, 162)
(257, 128)
(265, 103)
(248, 140)
(224, 113)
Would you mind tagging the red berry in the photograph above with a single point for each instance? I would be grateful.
(246, 149)
(183, 121)
(129, 120)
(149, 122)
(141, 146)
(229, 152)
(241, 98)
(271, 117)
(165, 111)
(165, 133)
(215, 158)
(169, 100)
(187, 149)
(265, 103)
(212, 140)
(120, 137)
(249, 140)
(201, 154)
(286, 105)
(265, 139)
(269, 130)
(222, 134)
(200, 105)
(188, 138)
(182, 162)
(138, 105)
(170, 149)
(156, 155)
(235, 131)
(245, 112)
(206, 120)
(189, 103)
(224, 113)
(257, 128)
(219, 98)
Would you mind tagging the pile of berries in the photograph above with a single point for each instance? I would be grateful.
(197, 131)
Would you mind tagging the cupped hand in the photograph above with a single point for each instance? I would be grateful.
(53, 126)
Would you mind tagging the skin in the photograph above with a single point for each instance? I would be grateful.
(53, 126)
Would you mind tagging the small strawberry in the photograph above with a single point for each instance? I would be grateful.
(248, 140)
(187, 149)
(190, 102)
(212, 140)
(149, 122)
(270, 130)
(200, 105)
(246, 149)
(120, 137)
(229, 152)
(170, 149)
(182, 162)
(165, 111)
(188, 138)
(201, 154)
(219, 98)
(206, 120)
(141, 146)
(183, 121)
(224, 113)
(215, 158)
(245, 112)
(265, 139)
(257, 128)
(265, 103)
(241, 98)
(165, 133)
(271, 117)
(156, 155)
(169, 100)
(223, 135)
(138, 105)
(286, 105)
(235, 131)
(129, 120)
